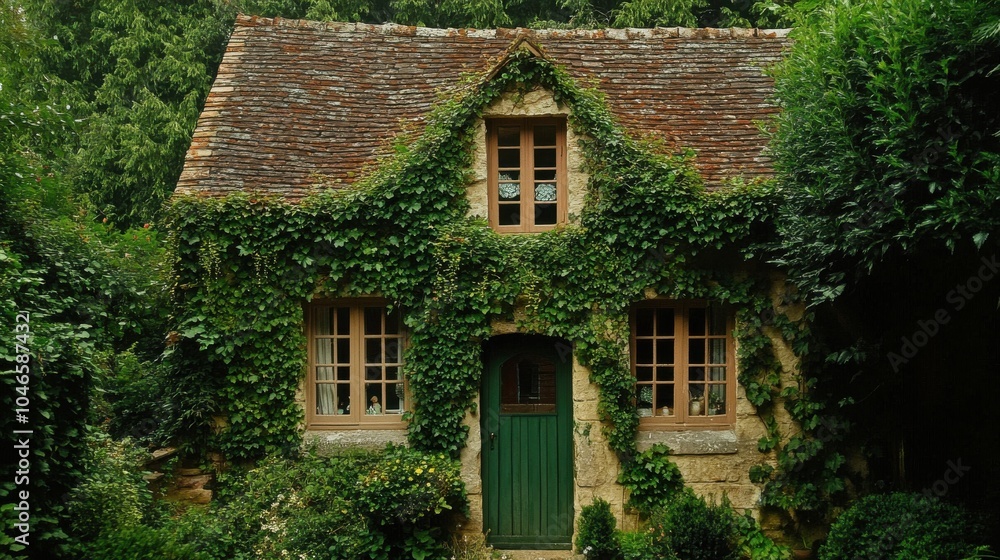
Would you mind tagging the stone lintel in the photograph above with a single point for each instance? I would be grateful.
(692, 442)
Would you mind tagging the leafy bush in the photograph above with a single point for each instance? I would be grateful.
(142, 543)
(113, 494)
(596, 535)
(411, 488)
(636, 546)
(902, 526)
(652, 479)
(691, 529)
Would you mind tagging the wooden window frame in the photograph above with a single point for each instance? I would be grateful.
(527, 207)
(682, 419)
(356, 418)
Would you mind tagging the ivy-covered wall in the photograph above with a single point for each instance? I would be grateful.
(246, 264)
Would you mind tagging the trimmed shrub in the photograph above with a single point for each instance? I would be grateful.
(596, 536)
(691, 529)
(902, 526)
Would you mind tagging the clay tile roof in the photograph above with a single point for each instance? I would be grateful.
(296, 102)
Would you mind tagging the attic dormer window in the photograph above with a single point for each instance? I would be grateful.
(527, 174)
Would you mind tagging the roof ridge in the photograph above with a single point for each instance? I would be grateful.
(400, 30)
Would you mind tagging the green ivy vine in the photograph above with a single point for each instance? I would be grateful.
(245, 265)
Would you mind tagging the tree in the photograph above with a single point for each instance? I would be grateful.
(887, 141)
(888, 156)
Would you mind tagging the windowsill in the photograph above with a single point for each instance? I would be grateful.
(696, 441)
(334, 438)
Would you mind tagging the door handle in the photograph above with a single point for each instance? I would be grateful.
(493, 437)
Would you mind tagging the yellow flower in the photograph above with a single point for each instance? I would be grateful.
(419, 470)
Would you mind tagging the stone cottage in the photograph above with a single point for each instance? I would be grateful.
(301, 107)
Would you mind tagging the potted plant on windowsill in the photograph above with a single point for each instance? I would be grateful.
(716, 404)
(696, 407)
(645, 402)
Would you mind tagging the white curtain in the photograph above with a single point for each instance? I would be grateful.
(326, 395)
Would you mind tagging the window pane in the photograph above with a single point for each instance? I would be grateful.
(665, 351)
(373, 320)
(373, 372)
(509, 215)
(546, 192)
(394, 398)
(644, 373)
(545, 174)
(324, 373)
(373, 398)
(664, 373)
(343, 351)
(545, 157)
(696, 321)
(509, 191)
(391, 373)
(644, 322)
(344, 373)
(696, 373)
(343, 398)
(545, 214)
(717, 320)
(665, 321)
(664, 405)
(696, 351)
(644, 351)
(508, 136)
(373, 351)
(545, 135)
(324, 351)
(393, 322)
(343, 321)
(717, 351)
(644, 396)
(509, 157)
(717, 373)
(527, 385)
(392, 351)
(326, 400)
(716, 400)
(324, 321)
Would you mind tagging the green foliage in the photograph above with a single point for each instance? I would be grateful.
(690, 529)
(408, 488)
(112, 494)
(595, 536)
(886, 143)
(142, 543)
(136, 74)
(653, 481)
(636, 545)
(753, 544)
(902, 526)
(80, 287)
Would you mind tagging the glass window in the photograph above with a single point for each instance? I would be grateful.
(355, 360)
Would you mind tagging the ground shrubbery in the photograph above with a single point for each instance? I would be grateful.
(683, 527)
(394, 503)
(903, 525)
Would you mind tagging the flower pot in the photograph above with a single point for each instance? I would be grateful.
(694, 409)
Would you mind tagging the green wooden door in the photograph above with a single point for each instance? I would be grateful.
(528, 443)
